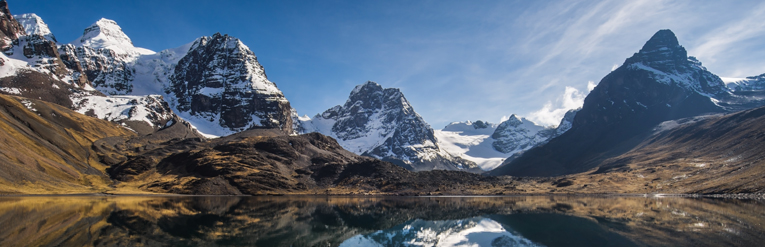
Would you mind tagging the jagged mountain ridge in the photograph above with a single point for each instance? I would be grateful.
(656, 84)
(380, 122)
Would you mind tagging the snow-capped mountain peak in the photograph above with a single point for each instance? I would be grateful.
(517, 134)
(219, 86)
(106, 33)
(381, 123)
(34, 25)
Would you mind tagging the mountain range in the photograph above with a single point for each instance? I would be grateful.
(100, 114)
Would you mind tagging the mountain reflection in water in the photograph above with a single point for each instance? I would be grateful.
(379, 221)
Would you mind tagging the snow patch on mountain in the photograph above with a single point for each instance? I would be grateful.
(688, 79)
(471, 141)
(151, 109)
(489, 145)
(152, 72)
(10, 90)
(10, 66)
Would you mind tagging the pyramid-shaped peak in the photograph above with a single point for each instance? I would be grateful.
(105, 29)
(661, 52)
(105, 33)
(664, 38)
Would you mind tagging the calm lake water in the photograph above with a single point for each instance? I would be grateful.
(380, 221)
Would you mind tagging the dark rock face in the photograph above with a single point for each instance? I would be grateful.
(108, 71)
(481, 125)
(10, 29)
(381, 123)
(221, 80)
(36, 46)
(657, 84)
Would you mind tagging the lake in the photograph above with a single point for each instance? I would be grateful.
(379, 221)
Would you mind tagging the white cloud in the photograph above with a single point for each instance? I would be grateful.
(552, 112)
(591, 85)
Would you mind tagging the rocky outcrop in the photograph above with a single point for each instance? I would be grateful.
(10, 29)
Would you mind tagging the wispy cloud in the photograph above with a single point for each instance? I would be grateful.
(727, 42)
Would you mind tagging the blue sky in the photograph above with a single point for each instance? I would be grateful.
(454, 60)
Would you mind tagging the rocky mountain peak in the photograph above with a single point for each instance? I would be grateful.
(380, 122)
(369, 87)
(513, 120)
(661, 52)
(517, 134)
(220, 81)
(664, 38)
(34, 25)
(371, 95)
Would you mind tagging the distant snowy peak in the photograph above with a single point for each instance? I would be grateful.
(34, 25)
(751, 83)
(518, 134)
(107, 34)
(489, 145)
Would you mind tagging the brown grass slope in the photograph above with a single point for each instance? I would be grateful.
(49, 150)
(715, 154)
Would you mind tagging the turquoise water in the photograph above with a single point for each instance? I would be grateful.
(379, 221)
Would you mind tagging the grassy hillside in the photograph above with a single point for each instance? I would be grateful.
(48, 149)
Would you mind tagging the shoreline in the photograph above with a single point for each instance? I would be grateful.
(739, 196)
